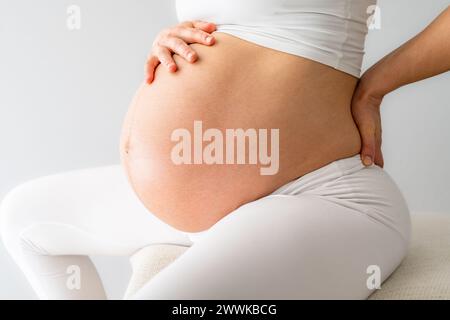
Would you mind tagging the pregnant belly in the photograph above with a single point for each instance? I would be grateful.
(231, 128)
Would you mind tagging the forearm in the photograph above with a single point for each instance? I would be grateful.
(424, 56)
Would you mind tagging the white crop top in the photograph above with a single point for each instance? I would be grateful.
(331, 32)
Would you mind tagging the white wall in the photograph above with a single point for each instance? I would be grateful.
(63, 95)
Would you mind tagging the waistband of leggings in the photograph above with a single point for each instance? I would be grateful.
(349, 165)
(333, 170)
(326, 173)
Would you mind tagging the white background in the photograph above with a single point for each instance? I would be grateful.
(63, 95)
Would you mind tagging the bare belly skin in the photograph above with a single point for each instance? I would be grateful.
(234, 84)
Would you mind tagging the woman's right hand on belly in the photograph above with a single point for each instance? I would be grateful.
(176, 40)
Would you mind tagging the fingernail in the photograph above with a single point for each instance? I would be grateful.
(190, 56)
(367, 161)
(209, 39)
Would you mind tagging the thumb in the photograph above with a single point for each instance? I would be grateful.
(368, 146)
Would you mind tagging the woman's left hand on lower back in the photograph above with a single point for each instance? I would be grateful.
(366, 113)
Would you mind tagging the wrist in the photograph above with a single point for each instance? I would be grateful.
(383, 77)
(373, 84)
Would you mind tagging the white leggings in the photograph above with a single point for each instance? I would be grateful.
(313, 238)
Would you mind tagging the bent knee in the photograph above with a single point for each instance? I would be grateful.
(19, 208)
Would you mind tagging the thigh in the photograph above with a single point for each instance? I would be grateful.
(88, 211)
(282, 247)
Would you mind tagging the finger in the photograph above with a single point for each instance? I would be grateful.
(179, 47)
(165, 56)
(205, 26)
(378, 160)
(187, 24)
(152, 63)
(191, 35)
(368, 148)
